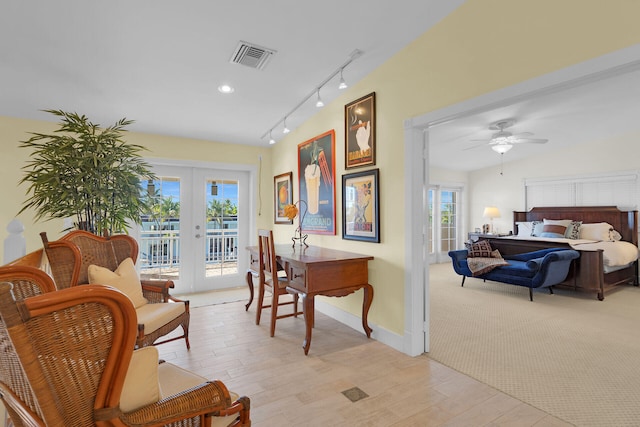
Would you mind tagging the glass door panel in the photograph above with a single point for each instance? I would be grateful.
(444, 222)
(159, 240)
(221, 243)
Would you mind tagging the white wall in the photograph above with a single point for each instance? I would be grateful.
(488, 187)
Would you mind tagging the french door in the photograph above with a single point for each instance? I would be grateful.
(197, 228)
(444, 221)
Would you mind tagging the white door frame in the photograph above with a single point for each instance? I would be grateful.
(416, 140)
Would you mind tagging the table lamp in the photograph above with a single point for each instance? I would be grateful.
(491, 212)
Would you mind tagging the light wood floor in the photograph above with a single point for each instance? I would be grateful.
(287, 388)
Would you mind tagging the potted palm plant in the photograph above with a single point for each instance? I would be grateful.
(87, 173)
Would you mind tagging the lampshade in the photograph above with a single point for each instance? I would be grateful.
(491, 212)
(501, 148)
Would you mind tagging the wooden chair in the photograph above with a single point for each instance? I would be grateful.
(68, 359)
(270, 279)
(70, 258)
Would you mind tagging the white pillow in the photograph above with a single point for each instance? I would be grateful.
(525, 228)
(599, 231)
(537, 228)
(125, 279)
(141, 385)
(614, 235)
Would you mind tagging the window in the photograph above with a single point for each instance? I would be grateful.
(444, 221)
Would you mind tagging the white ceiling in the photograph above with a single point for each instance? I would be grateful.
(600, 109)
(159, 62)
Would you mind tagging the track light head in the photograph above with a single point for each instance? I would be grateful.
(343, 84)
(319, 102)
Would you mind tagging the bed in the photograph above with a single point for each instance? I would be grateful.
(600, 267)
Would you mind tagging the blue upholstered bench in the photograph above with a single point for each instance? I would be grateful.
(538, 269)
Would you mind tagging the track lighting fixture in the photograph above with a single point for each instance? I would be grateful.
(343, 84)
(319, 103)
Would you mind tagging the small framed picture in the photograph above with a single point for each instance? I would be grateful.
(283, 196)
(361, 206)
(360, 132)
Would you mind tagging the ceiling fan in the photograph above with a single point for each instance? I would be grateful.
(503, 140)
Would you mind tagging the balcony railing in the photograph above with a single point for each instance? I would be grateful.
(161, 249)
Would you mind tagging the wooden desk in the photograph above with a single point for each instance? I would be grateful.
(318, 271)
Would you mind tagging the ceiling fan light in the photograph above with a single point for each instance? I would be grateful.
(501, 148)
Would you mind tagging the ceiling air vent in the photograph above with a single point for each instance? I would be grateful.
(252, 55)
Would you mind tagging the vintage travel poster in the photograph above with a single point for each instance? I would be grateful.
(360, 132)
(283, 196)
(360, 206)
(316, 181)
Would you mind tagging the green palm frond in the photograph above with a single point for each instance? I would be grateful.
(85, 172)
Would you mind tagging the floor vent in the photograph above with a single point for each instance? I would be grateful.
(354, 394)
(252, 55)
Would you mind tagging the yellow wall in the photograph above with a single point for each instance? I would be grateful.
(13, 158)
(483, 46)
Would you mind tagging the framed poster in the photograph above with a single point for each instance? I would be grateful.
(360, 132)
(316, 183)
(361, 206)
(283, 196)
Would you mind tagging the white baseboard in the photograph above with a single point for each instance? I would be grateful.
(386, 337)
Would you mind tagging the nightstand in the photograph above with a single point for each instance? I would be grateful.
(474, 237)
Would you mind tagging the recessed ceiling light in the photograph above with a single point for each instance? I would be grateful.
(225, 89)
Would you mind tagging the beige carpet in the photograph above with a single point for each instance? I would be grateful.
(567, 354)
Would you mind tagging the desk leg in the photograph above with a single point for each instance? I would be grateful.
(250, 284)
(308, 308)
(366, 304)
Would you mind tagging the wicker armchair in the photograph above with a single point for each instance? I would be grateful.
(69, 261)
(27, 281)
(68, 359)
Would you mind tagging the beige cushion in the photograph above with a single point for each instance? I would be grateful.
(174, 379)
(125, 279)
(141, 385)
(599, 231)
(154, 316)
